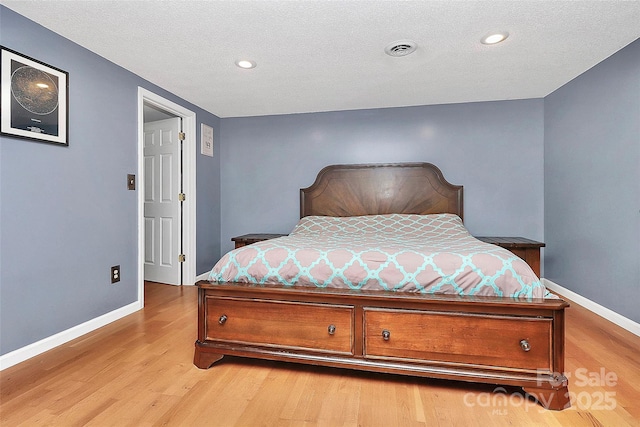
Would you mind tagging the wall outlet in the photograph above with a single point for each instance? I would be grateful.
(115, 274)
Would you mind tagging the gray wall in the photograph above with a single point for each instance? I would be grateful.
(66, 215)
(592, 183)
(494, 149)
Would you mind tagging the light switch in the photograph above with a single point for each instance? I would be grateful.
(131, 181)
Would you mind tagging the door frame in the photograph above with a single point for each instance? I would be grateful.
(189, 184)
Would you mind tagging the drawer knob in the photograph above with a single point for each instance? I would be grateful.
(222, 319)
(524, 344)
(386, 335)
(331, 329)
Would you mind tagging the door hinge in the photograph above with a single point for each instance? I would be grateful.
(181, 136)
(182, 197)
(182, 258)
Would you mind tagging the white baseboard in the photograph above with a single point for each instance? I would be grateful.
(46, 344)
(601, 311)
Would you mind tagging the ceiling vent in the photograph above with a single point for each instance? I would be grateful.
(400, 48)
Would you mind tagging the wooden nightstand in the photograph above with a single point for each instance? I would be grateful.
(527, 249)
(247, 239)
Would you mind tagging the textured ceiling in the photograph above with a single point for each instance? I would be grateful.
(329, 55)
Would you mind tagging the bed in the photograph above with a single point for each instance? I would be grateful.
(405, 323)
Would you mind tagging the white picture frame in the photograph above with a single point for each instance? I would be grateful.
(206, 140)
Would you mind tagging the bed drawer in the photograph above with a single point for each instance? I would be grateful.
(286, 325)
(459, 338)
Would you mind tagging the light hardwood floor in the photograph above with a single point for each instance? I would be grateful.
(138, 371)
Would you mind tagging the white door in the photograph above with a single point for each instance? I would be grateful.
(162, 220)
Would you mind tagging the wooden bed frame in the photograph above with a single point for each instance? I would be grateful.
(493, 340)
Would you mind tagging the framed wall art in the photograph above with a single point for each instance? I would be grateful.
(34, 99)
(206, 140)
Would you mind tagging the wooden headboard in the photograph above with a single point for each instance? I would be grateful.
(352, 190)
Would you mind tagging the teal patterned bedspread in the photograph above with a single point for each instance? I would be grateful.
(408, 253)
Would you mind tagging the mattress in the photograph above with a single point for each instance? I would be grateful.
(396, 252)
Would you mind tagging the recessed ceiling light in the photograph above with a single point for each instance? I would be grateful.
(246, 64)
(494, 38)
